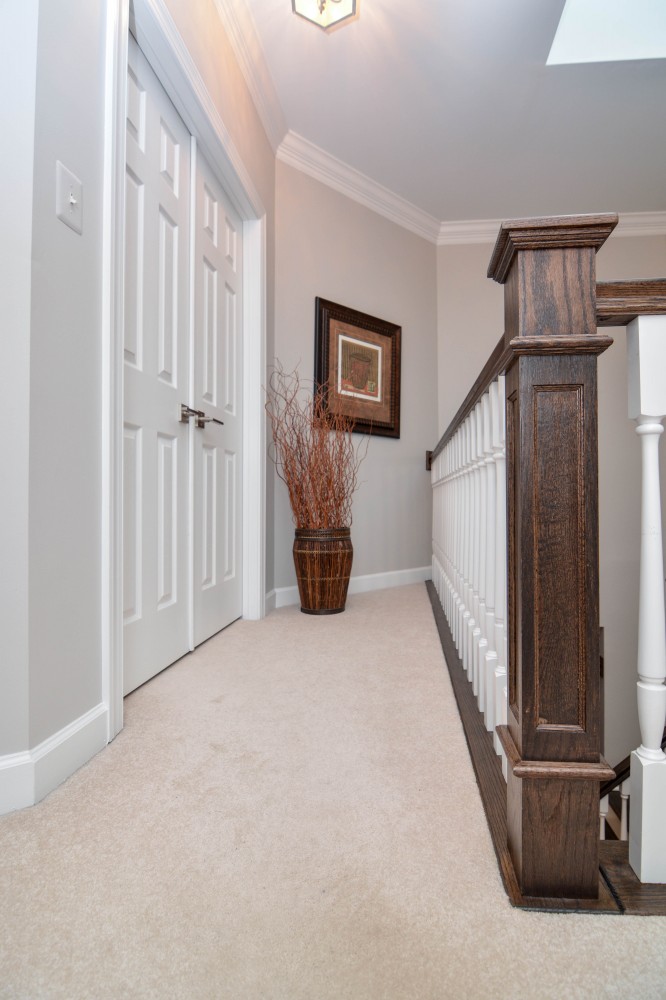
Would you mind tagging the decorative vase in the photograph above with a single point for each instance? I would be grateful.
(323, 561)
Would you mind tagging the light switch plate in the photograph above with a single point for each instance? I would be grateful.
(69, 198)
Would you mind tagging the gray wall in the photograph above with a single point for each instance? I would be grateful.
(470, 322)
(53, 65)
(18, 75)
(51, 566)
(329, 246)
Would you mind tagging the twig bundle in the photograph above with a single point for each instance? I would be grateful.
(315, 454)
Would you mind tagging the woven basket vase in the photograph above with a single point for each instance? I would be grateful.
(323, 561)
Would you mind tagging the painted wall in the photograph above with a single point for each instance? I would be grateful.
(51, 564)
(18, 75)
(65, 373)
(470, 322)
(329, 246)
(53, 63)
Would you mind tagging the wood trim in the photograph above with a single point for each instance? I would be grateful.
(568, 770)
(544, 233)
(502, 357)
(635, 898)
(492, 787)
(620, 302)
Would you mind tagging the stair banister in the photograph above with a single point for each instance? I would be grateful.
(535, 614)
(552, 736)
(646, 365)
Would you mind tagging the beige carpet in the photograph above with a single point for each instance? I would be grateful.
(290, 813)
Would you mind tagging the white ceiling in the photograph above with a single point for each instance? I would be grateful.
(449, 105)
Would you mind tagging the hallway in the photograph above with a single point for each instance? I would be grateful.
(290, 813)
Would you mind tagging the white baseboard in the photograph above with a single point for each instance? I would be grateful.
(27, 777)
(284, 596)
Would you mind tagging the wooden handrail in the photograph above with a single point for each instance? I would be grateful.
(620, 302)
(493, 367)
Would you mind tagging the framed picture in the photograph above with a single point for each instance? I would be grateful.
(358, 358)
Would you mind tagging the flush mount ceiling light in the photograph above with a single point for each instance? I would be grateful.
(324, 13)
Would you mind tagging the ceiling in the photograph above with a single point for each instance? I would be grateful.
(449, 105)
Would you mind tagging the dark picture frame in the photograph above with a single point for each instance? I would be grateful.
(357, 362)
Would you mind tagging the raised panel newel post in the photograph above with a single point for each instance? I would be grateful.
(646, 357)
(552, 736)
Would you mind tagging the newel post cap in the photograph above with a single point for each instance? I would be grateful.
(547, 233)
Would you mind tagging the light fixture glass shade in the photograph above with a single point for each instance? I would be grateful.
(324, 13)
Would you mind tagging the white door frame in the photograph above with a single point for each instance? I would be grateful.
(164, 48)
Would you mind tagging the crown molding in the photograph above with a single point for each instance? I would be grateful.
(486, 230)
(241, 30)
(641, 224)
(303, 155)
(468, 231)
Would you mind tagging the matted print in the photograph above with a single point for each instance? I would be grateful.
(357, 357)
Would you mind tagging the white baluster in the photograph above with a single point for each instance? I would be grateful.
(462, 535)
(480, 641)
(472, 541)
(489, 661)
(467, 543)
(646, 357)
(603, 813)
(625, 788)
(460, 532)
(500, 679)
(475, 630)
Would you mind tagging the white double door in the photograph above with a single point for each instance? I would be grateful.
(182, 353)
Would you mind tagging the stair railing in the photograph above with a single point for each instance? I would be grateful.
(469, 546)
(516, 569)
(641, 306)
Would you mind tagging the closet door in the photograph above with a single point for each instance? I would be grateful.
(157, 356)
(217, 358)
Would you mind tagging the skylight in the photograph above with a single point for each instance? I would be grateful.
(609, 31)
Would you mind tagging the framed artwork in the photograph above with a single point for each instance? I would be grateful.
(358, 358)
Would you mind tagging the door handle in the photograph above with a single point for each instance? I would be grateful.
(202, 420)
(186, 412)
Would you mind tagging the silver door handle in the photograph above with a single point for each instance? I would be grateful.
(202, 420)
(186, 412)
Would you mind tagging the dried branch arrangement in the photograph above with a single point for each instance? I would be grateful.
(314, 452)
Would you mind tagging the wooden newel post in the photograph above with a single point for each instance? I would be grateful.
(552, 736)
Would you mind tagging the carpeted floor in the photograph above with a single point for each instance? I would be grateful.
(290, 813)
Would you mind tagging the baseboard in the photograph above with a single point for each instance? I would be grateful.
(25, 778)
(284, 596)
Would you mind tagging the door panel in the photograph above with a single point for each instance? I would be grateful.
(217, 391)
(156, 342)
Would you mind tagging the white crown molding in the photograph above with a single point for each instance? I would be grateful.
(641, 224)
(303, 155)
(242, 33)
(467, 232)
(486, 230)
